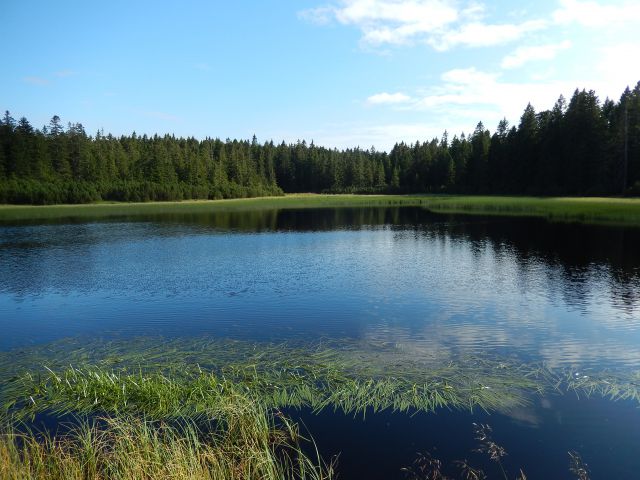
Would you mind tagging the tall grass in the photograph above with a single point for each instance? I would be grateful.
(245, 443)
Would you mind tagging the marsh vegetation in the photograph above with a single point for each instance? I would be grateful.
(214, 407)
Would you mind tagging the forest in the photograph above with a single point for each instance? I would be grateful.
(579, 147)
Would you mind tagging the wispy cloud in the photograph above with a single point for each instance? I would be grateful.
(442, 24)
(523, 55)
(478, 34)
(40, 81)
(385, 98)
(468, 95)
(318, 16)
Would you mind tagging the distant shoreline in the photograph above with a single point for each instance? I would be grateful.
(586, 210)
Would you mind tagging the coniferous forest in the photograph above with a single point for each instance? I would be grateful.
(579, 147)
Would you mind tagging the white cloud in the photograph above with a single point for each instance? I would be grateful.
(319, 15)
(477, 34)
(442, 24)
(467, 96)
(385, 98)
(594, 14)
(601, 35)
(422, 15)
(396, 22)
(617, 68)
(524, 55)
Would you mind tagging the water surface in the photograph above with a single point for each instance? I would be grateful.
(563, 294)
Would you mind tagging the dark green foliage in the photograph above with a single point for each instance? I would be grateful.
(68, 166)
(581, 147)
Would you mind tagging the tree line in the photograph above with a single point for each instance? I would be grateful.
(579, 147)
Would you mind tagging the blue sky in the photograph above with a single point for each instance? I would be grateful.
(340, 72)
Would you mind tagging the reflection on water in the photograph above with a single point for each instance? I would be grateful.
(565, 294)
(536, 439)
(439, 285)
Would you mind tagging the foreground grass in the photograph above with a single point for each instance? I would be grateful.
(591, 210)
(210, 408)
(250, 445)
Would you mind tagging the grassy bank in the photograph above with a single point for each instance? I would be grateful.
(103, 210)
(590, 210)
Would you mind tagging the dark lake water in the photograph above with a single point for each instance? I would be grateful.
(566, 295)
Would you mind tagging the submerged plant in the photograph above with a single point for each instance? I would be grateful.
(427, 467)
(483, 433)
(467, 472)
(577, 467)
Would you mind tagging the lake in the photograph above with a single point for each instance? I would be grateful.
(566, 296)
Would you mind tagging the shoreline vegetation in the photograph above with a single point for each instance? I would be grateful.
(213, 408)
(580, 147)
(587, 210)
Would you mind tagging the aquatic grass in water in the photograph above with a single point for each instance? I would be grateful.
(427, 467)
(194, 377)
(205, 394)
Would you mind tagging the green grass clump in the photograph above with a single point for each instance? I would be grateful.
(590, 210)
